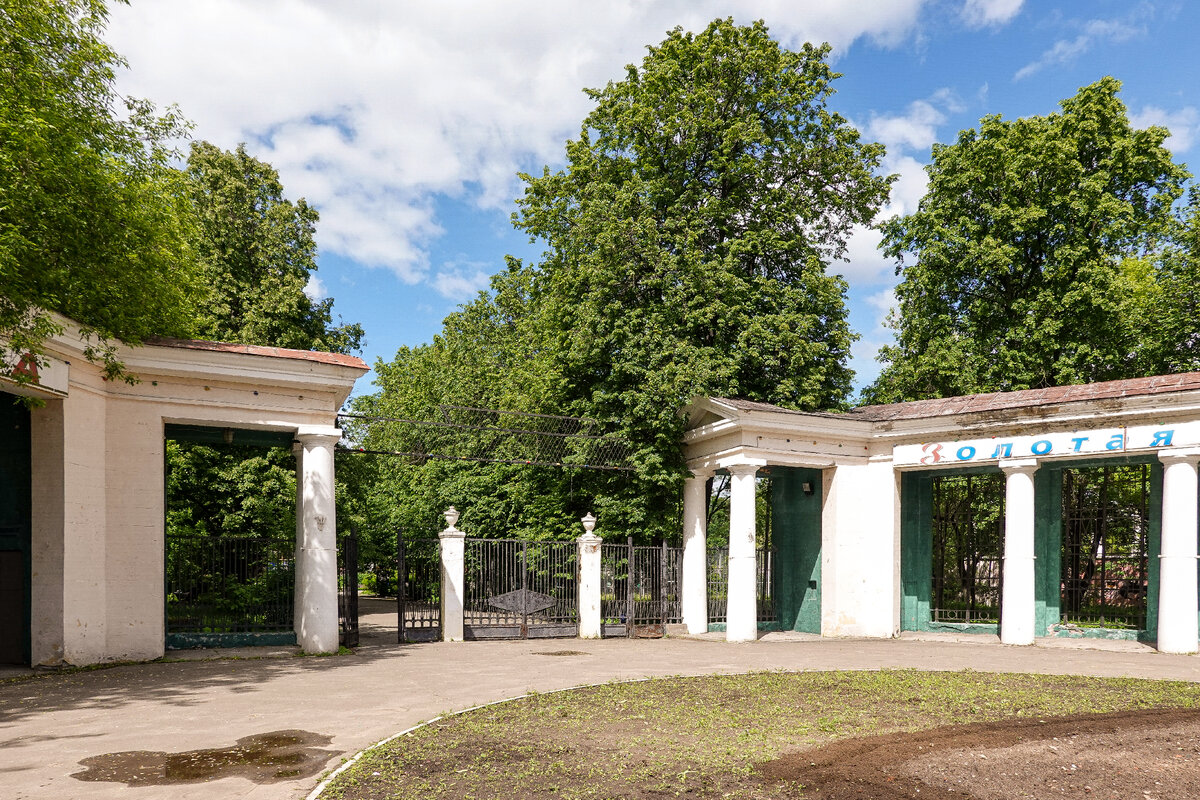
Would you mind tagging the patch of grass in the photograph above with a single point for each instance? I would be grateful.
(702, 737)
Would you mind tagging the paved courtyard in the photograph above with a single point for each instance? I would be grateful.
(49, 723)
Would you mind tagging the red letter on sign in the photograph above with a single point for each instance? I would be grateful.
(932, 456)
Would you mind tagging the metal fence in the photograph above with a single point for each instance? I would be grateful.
(228, 585)
(718, 584)
(419, 595)
(967, 545)
(615, 590)
(1105, 527)
(518, 589)
(348, 590)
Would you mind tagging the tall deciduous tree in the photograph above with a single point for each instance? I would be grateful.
(256, 255)
(93, 219)
(687, 241)
(1020, 265)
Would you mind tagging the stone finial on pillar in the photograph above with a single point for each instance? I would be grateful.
(1017, 617)
(589, 580)
(1177, 591)
(453, 583)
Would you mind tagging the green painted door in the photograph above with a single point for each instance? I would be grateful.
(15, 512)
(796, 528)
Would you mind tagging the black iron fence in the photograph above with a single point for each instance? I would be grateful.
(518, 589)
(348, 590)
(718, 584)
(223, 589)
(419, 594)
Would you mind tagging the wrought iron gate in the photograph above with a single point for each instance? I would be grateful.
(348, 590)
(718, 584)
(519, 589)
(419, 590)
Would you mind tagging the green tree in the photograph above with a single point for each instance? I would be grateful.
(1166, 299)
(1020, 265)
(93, 219)
(256, 253)
(687, 242)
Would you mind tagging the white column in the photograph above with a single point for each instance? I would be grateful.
(589, 580)
(453, 584)
(1017, 615)
(298, 452)
(1177, 595)
(316, 553)
(741, 616)
(693, 575)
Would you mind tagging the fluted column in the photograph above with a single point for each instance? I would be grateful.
(1017, 618)
(316, 606)
(1177, 593)
(694, 570)
(741, 616)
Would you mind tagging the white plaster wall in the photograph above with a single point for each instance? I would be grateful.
(858, 595)
(134, 555)
(85, 532)
(46, 554)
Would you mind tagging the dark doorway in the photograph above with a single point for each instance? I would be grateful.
(15, 514)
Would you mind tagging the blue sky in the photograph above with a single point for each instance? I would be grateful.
(405, 123)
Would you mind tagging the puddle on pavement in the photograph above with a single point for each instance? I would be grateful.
(261, 758)
(560, 653)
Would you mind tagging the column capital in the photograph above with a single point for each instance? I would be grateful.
(589, 542)
(318, 434)
(1018, 465)
(1177, 454)
(743, 470)
(703, 473)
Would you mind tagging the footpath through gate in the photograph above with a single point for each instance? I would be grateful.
(528, 589)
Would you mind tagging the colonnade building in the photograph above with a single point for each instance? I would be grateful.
(1067, 511)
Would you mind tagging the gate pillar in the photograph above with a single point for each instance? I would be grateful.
(1177, 592)
(694, 572)
(316, 609)
(589, 580)
(741, 616)
(1017, 616)
(453, 584)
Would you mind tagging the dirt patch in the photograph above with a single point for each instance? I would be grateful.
(1145, 754)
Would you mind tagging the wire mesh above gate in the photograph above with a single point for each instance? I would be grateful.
(520, 589)
(462, 433)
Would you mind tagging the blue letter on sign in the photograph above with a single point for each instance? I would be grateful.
(1116, 442)
(1079, 443)
(965, 453)
(1042, 447)
(1003, 450)
(1162, 438)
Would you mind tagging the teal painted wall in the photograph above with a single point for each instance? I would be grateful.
(796, 528)
(916, 544)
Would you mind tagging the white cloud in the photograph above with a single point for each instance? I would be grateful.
(1096, 31)
(990, 13)
(1184, 125)
(315, 288)
(373, 109)
(459, 281)
(916, 128)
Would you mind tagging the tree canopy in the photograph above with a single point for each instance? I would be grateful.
(687, 241)
(256, 253)
(1021, 267)
(93, 218)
